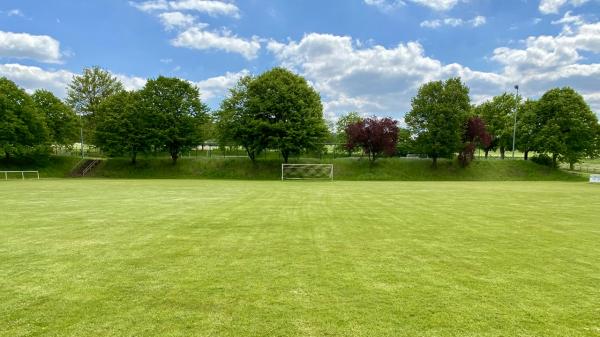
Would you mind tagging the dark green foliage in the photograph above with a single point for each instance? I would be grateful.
(406, 144)
(527, 127)
(498, 115)
(173, 108)
(122, 128)
(62, 122)
(288, 110)
(568, 127)
(277, 110)
(543, 159)
(236, 124)
(23, 130)
(436, 118)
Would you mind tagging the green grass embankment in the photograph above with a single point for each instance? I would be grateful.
(344, 169)
(400, 169)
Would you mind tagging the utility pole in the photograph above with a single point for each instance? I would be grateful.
(515, 125)
(81, 134)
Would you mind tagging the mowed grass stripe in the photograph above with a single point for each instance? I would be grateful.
(241, 258)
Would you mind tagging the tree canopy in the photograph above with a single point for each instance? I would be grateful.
(568, 127)
(122, 128)
(60, 118)
(23, 128)
(374, 135)
(498, 115)
(277, 110)
(175, 111)
(289, 109)
(437, 116)
(237, 125)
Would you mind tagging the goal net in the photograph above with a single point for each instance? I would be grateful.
(306, 171)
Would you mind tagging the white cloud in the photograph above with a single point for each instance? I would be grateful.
(210, 7)
(207, 6)
(41, 48)
(553, 6)
(198, 38)
(454, 22)
(569, 19)
(382, 80)
(218, 86)
(385, 5)
(438, 5)
(195, 35)
(15, 12)
(548, 52)
(370, 80)
(131, 82)
(32, 78)
(388, 5)
(173, 20)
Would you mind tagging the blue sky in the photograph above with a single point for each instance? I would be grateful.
(368, 56)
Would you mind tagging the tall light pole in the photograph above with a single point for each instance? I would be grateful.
(515, 125)
(81, 133)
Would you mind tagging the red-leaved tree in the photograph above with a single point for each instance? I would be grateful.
(374, 135)
(475, 134)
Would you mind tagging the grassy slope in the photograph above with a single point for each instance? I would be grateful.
(252, 258)
(53, 167)
(345, 169)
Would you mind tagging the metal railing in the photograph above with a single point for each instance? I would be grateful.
(22, 174)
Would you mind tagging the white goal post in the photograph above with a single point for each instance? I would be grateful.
(306, 171)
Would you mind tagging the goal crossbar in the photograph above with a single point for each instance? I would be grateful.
(306, 171)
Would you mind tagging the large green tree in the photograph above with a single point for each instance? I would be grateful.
(86, 92)
(290, 109)
(175, 108)
(437, 116)
(122, 128)
(498, 115)
(63, 124)
(569, 128)
(236, 124)
(23, 130)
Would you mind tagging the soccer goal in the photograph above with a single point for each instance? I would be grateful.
(306, 171)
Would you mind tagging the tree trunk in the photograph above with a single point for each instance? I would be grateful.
(554, 157)
(285, 155)
(502, 150)
(7, 156)
(434, 164)
(487, 151)
(133, 157)
(251, 155)
(571, 166)
(174, 154)
(526, 155)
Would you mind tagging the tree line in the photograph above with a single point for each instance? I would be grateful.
(279, 110)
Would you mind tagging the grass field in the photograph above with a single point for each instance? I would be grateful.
(266, 258)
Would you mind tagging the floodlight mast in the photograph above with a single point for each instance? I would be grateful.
(515, 124)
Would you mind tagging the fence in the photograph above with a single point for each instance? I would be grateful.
(22, 174)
